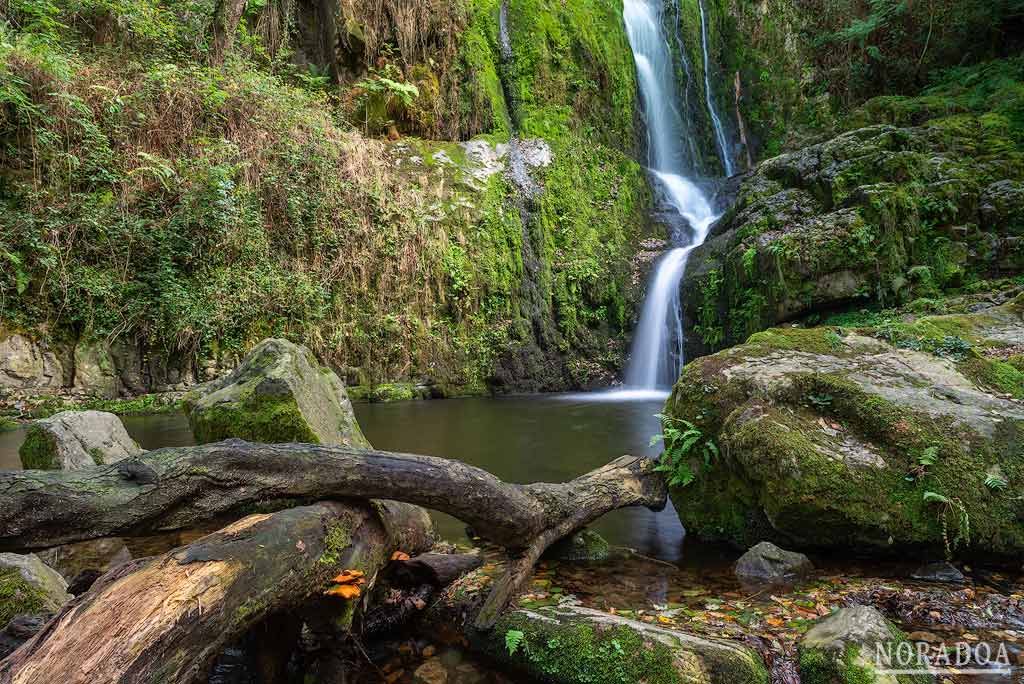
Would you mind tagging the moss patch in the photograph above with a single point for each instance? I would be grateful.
(18, 597)
(253, 418)
(39, 450)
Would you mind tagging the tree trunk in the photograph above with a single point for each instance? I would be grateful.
(176, 488)
(165, 618)
(226, 16)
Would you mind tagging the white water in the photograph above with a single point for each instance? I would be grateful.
(709, 96)
(657, 352)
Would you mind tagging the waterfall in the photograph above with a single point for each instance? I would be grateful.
(709, 96)
(657, 351)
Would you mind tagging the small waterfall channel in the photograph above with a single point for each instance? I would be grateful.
(657, 351)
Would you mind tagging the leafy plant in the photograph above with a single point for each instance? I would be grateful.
(996, 482)
(513, 639)
(820, 401)
(925, 460)
(954, 508)
(682, 440)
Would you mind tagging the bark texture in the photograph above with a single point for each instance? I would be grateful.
(165, 618)
(176, 488)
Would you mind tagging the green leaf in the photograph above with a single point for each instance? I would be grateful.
(513, 639)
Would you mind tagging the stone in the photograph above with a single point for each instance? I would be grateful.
(25, 364)
(766, 563)
(72, 440)
(843, 648)
(822, 432)
(29, 587)
(941, 571)
(432, 671)
(584, 545)
(279, 393)
(95, 373)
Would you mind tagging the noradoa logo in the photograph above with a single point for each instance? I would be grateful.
(960, 658)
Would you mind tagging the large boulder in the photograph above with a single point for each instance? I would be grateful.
(71, 440)
(880, 214)
(29, 587)
(903, 437)
(766, 563)
(853, 646)
(279, 393)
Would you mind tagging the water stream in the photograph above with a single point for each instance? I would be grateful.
(709, 96)
(657, 352)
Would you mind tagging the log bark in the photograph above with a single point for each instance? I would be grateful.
(177, 488)
(226, 16)
(165, 618)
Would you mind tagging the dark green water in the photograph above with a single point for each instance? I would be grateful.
(520, 439)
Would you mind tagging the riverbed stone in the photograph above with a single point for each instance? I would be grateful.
(821, 433)
(29, 587)
(940, 571)
(279, 393)
(556, 643)
(583, 546)
(766, 563)
(72, 440)
(843, 648)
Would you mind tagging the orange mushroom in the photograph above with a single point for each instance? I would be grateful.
(399, 556)
(345, 591)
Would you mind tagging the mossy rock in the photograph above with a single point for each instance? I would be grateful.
(576, 645)
(72, 440)
(585, 545)
(279, 393)
(853, 646)
(830, 438)
(29, 587)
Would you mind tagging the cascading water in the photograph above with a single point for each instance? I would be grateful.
(716, 121)
(658, 344)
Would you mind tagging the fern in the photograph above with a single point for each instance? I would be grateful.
(955, 508)
(682, 440)
(513, 639)
(996, 482)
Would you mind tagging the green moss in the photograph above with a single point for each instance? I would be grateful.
(38, 451)
(813, 340)
(579, 653)
(818, 667)
(8, 424)
(18, 597)
(336, 541)
(253, 418)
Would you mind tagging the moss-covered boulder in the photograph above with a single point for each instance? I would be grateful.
(71, 440)
(279, 393)
(920, 197)
(766, 563)
(585, 545)
(856, 645)
(574, 645)
(907, 436)
(29, 587)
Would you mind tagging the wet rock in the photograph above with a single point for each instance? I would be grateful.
(842, 649)
(279, 393)
(26, 364)
(939, 572)
(584, 545)
(29, 587)
(431, 672)
(72, 440)
(766, 563)
(824, 430)
(20, 629)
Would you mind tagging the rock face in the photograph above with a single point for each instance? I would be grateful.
(29, 587)
(832, 437)
(94, 370)
(842, 649)
(279, 393)
(25, 364)
(72, 440)
(882, 214)
(558, 643)
(766, 563)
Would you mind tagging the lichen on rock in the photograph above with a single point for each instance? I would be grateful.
(279, 393)
(71, 440)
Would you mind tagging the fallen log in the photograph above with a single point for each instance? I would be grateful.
(165, 618)
(176, 488)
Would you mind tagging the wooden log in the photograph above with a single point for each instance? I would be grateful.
(165, 618)
(177, 488)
